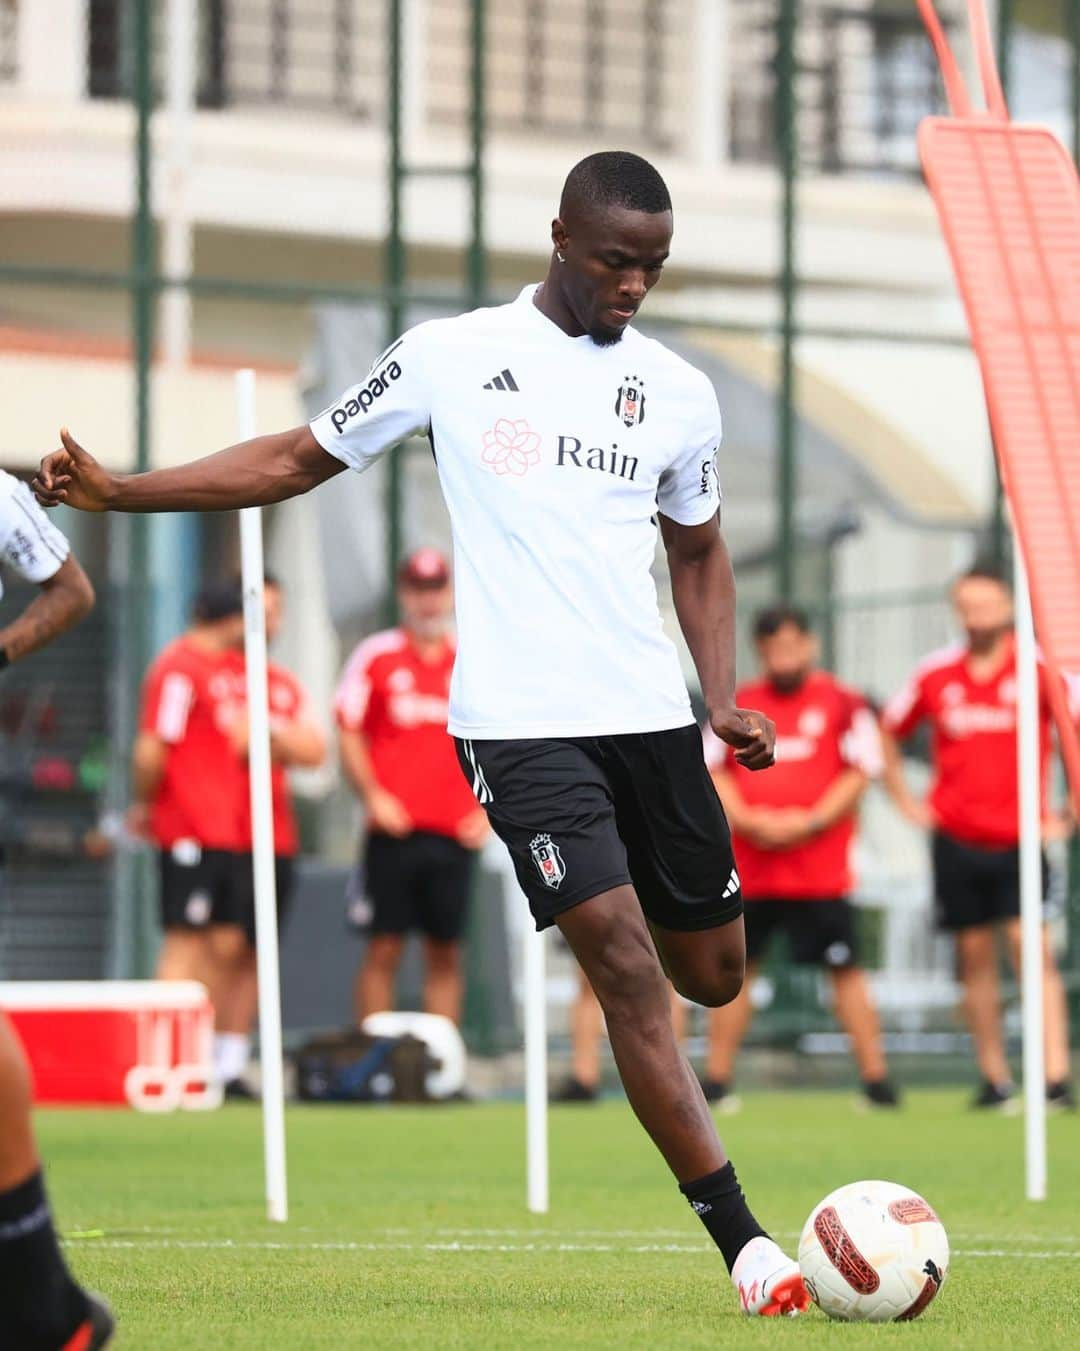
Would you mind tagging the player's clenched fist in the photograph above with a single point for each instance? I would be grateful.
(751, 735)
(71, 475)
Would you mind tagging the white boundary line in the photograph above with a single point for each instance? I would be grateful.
(268, 1245)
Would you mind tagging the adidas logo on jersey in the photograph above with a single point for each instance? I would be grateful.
(504, 381)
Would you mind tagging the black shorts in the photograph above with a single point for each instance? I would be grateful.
(819, 932)
(418, 884)
(201, 887)
(974, 885)
(239, 907)
(581, 815)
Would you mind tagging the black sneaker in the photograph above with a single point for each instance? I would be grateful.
(996, 1098)
(880, 1093)
(721, 1095)
(95, 1330)
(1060, 1097)
(238, 1090)
(573, 1090)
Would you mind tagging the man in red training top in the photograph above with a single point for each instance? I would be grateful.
(187, 780)
(424, 823)
(793, 831)
(967, 693)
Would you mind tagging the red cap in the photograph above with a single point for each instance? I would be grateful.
(424, 567)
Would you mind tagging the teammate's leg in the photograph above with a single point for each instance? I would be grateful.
(234, 992)
(858, 1016)
(442, 881)
(374, 989)
(586, 1031)
(1055, 1007)
(442, 978)
(977, 958)
(183, 955)
(41, 1306)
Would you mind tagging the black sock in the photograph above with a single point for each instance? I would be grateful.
(721, 1207)
(40, 1304)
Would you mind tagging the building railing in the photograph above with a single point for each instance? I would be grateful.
(307, 55)
(865, 79)
(9, 33)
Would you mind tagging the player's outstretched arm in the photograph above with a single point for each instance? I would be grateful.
(703, 588)
(64, 598)
(253, 473)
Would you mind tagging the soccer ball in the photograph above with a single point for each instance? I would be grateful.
(873, 1252)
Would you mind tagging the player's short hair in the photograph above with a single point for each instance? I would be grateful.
(985, 570)
(773, 618)
(218, 599)
(614, 178)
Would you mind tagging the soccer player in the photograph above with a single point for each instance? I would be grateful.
(563, 439)
(967, 693)
(424, 824)
(793, 831)
(296, 742)
(42, 1308)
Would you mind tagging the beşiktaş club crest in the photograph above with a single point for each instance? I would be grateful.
(630, 404)
(548, 860)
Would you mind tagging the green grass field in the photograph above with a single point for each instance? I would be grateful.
(408, 1226)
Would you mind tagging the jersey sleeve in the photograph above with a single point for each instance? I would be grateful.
(860, 738)
(168, 698)
(353, 698)
(906, 709)
(392, 402)
(689, 491)
(29, 542)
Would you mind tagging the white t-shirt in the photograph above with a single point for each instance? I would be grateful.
(554, 454)
(29, 542)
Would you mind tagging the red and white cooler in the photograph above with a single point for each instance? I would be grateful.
(147, 1043)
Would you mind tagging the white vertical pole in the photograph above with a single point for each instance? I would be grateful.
(1031, 898)
(176, 243)
(262, 820)
(707, 128)
(536, 1090)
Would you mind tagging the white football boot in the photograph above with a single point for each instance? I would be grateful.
(769, 1282)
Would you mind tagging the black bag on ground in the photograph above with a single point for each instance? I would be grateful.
(353, 1066)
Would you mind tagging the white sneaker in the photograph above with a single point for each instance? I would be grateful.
(768, 1281)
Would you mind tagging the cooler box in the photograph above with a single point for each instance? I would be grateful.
(146, 1043)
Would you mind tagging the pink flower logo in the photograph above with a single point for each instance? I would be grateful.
(511, 447)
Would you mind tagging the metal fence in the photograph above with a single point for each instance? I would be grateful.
(553, 69)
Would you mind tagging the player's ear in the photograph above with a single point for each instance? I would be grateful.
(559, 236)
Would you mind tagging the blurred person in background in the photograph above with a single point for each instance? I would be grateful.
(187, 779)
(794, 830)
(41, 1304)
(967, 693)
(296, 742)
(192, 798)
(424, 824)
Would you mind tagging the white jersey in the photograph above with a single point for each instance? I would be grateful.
(29, 542)
(554, 454)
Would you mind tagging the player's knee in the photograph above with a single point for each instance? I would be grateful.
(628, 979)
(715, 985)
